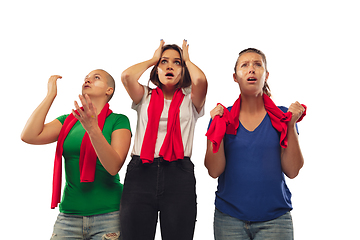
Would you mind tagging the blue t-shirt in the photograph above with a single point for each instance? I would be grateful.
(252, 186)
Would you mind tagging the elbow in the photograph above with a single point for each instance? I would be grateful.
(114, 171)
(25, 139)
(214, 175)
(125, 77)
(292, 175)
(213, 172)
(22, 137)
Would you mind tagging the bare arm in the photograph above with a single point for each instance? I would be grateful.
(198, 80)
(215, 162)
(112, 156)
(35, 130)
(131, 75)
(291, 157)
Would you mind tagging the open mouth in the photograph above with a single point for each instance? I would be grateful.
(169, 74)
(251, 79)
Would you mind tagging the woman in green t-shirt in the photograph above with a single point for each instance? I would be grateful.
(94, 142)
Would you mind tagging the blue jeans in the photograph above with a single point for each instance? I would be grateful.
(229, 228)
(161, 187)
(102, 226)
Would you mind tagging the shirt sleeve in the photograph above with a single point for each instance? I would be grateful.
(62, 118)
(122, 122)
(136, 106)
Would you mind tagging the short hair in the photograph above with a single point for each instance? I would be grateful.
(266, 88)
(185, 80)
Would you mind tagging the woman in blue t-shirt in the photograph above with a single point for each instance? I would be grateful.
(252, 199)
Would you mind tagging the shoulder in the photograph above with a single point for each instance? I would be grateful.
(282, 108)
(119, 121)
(186, 91)
(62, 118)
(118, 116)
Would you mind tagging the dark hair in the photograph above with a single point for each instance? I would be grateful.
(266, 88)
(185, 80)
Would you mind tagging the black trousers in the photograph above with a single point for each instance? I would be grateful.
(163, 187)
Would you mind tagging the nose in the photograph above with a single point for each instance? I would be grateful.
(169, 66)
(251, 69)
(87, 80)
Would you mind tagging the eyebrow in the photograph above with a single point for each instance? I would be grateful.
(260, 61)
(96, 74)
(169, 58)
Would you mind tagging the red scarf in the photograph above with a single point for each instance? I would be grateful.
(87, 161)
(229, 122)
(172, 148)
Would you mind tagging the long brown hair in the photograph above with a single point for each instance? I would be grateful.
(185, 80)
(266, 88)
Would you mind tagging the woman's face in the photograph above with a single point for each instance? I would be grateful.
(169, 68)
(95, 83)
(251, 74)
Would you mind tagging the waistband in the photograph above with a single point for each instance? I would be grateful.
(160, 159)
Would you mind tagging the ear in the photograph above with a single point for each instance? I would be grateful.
(109, 91)
(267, 76)
(234, 76)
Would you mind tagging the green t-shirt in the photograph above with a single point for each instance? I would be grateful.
(98, 197)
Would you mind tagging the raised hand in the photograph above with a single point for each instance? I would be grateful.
(88, 115)
(185, 48)
(52, 86)
(157, 53)
(218, 110)
(297, 110)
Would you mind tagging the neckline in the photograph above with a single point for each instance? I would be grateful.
(257, 127)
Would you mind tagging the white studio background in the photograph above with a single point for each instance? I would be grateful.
(312, 49)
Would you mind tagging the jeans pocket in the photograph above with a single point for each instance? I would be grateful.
(186, 165)
(134, 163)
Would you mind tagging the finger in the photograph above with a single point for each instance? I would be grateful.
(84, 103)
(91, 106)
(55, 77)
(162, 42)
(75, 114)
(77, 107)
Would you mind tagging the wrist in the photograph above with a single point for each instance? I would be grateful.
(153, 61)
(51, 95)
(187, 62)
(94, 131)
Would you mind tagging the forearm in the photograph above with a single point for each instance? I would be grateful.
(109, 158)
(36, 122)
(292, 159)
(215, 162)
(133, 73)
(131, 76)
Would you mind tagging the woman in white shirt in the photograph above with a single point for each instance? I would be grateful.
(160, 176)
